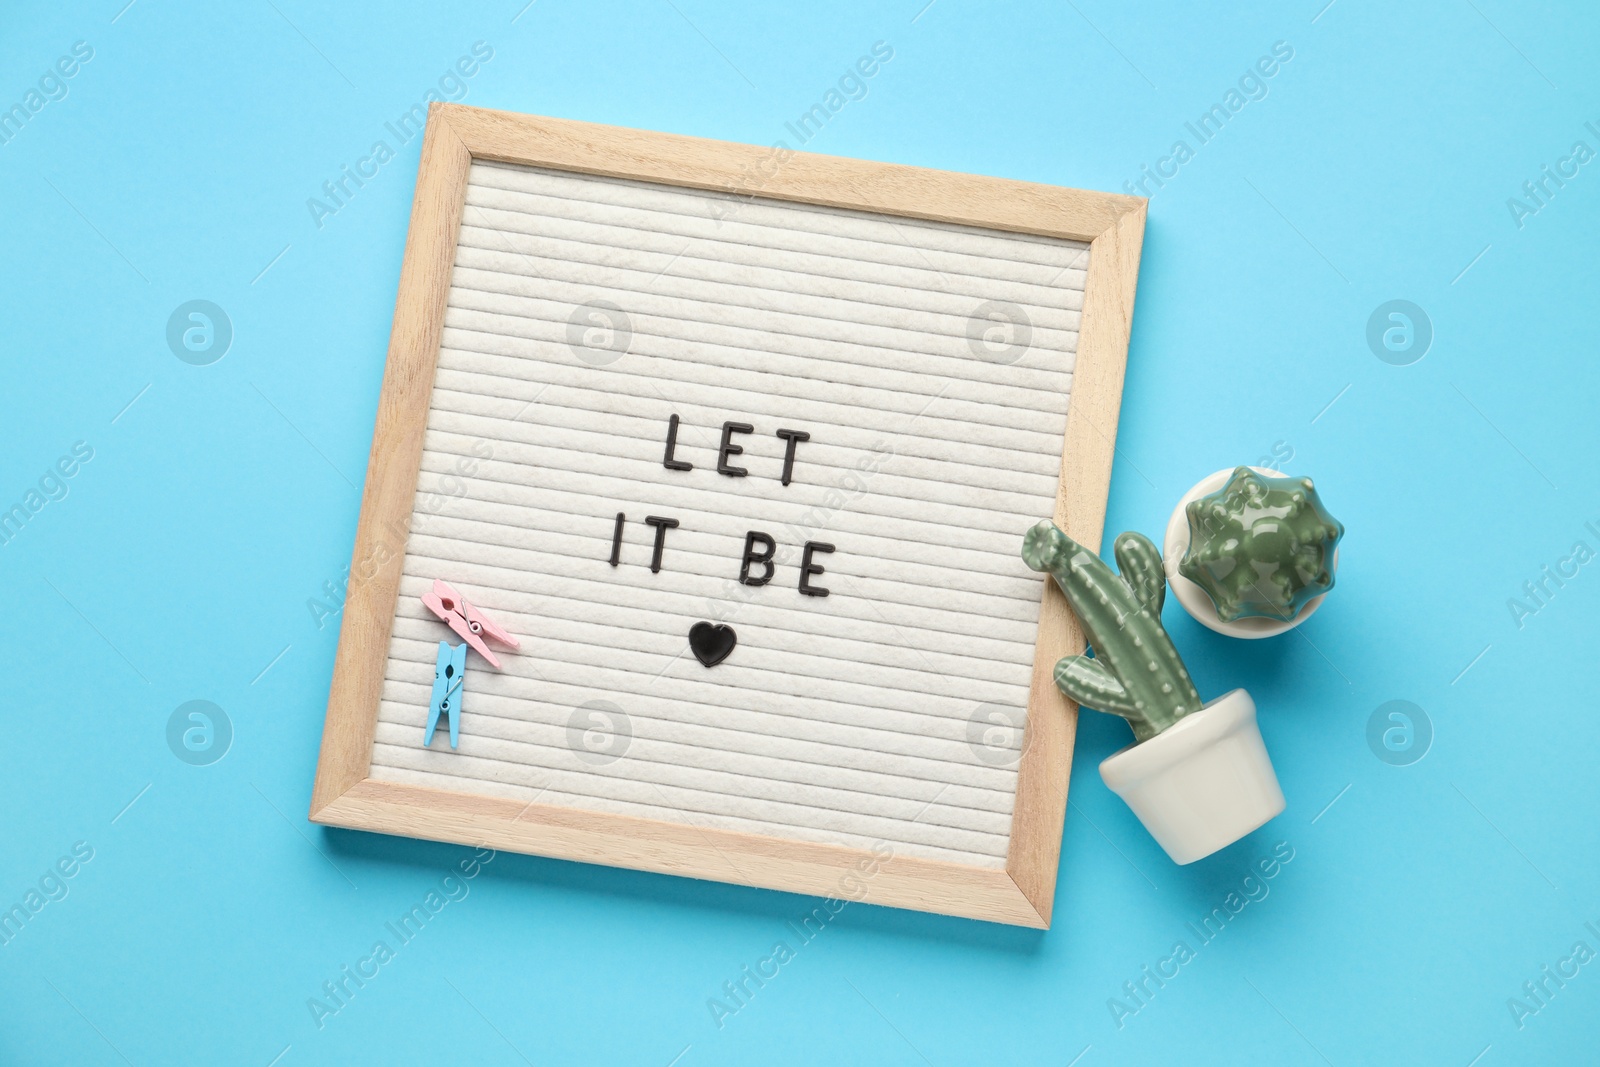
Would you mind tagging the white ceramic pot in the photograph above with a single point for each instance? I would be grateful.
(1193, 598)
(1201, 784)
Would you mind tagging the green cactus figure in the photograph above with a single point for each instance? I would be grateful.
(1136, 673)
(1261, 546)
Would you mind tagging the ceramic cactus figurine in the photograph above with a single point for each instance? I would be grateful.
(1261, 546)
(1136, 673)
(1197, 775)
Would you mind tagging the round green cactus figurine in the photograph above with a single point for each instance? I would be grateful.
(1261, 546)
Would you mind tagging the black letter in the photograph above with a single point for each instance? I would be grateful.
(750, 557)
(662, 526)
(616, 539)
(726, 450)
(794, 437)
(672, 442)
(807, 568)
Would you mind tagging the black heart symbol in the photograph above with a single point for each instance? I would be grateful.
(711, 644)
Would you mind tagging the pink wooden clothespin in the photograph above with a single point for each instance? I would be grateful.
(467, 621)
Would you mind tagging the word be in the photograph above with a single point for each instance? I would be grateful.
(1252, 86)
(52, 486)
(52, 86)
(52, 886)
(1252, 890)
(1552, 579)
(846, 488)
(452, 83)
(1551, 181)
(1538, 991)
(338, 992)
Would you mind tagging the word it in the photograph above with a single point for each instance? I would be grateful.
(764, 557)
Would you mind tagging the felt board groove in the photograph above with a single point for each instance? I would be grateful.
(568, 488)
(964, 807)
(992, 508)
(699, 765)
(989, 451)
(654, 801)
(829, 701)
(757, 283)
(495, 250)
(496, 231)
(466, 415)
(513, 480)
(499, 526)
(901, 329)
(697, 553)
(498, 269)
(743, 799)
(978, 507)
(760, 671)
(639, 458)
(737, 330)
(935, 751)
(806, 746)
(752, 805)
(901, 585)
(926, 558)
(562, 596)
(963, 606)
(746, 276)
(501, 359)
(686, 590)
(873, 637)
(854, 683)
(483, 312)
(509, 763)
(759, 222)
(506, 355)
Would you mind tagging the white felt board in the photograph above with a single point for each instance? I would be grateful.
(890, 710)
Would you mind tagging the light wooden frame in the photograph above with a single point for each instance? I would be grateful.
(344, 795)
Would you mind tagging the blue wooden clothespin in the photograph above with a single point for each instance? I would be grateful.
(448, 674)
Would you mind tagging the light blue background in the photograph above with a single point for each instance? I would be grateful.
(179, 566)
